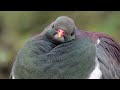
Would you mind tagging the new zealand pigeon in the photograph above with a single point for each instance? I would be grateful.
(62, 51)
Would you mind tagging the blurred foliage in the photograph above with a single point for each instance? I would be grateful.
(16, 27)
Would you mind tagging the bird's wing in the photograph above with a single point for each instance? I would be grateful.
(108, 53)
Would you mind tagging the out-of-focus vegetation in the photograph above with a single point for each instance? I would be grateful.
(16, 27)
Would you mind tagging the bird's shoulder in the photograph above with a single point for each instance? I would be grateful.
(108, 54)
(110, 45)
(107, 43)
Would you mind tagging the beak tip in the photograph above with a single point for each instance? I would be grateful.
(60, 33)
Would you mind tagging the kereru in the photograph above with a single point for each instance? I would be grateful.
(62, 51)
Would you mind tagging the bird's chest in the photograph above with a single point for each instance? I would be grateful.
(75, 59)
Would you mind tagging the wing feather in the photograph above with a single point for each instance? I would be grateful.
(108, 53)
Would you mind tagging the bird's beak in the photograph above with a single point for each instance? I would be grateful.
(60, 33)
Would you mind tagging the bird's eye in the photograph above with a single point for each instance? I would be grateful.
(72, 33)
(53, 26)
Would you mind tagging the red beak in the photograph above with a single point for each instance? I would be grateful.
(60, 33)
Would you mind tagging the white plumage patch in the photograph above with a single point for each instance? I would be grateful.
(13, 77)
(96, 73)
(98, 41)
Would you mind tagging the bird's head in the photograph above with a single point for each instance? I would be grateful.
(62, 29)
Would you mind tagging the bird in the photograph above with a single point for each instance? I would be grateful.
(63, 51)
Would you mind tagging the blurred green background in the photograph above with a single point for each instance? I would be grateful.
(16, 27)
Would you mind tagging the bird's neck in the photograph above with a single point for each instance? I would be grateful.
(82, 33)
